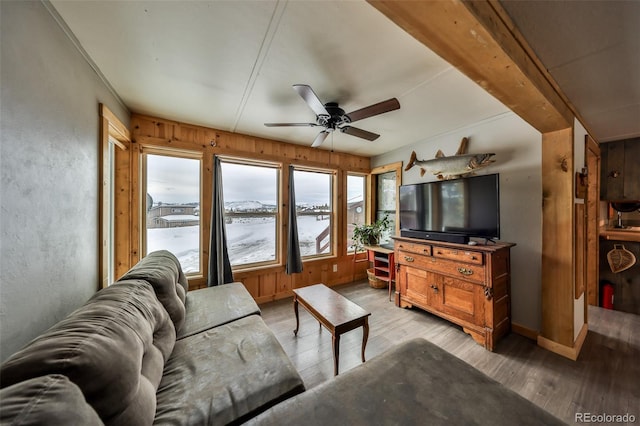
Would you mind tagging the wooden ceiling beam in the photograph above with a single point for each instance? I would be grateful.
(478, 39)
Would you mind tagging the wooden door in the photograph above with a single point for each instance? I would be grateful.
(420, 286)
(463, 300)
(592, 160)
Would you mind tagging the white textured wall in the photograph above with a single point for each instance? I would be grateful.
(518, 149)
(49, 167)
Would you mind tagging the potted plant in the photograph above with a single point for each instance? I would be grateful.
(369, 235)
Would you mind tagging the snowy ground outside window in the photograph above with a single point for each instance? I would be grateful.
(249, 240)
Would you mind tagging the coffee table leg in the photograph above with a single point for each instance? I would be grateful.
(295, 309)
(365, 336)
(336, 353)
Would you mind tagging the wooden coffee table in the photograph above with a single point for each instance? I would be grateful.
(333, 311)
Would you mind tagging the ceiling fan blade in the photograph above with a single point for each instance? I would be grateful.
(290, 124)
(319, 139)
(375, 109)
(354, 131)
(309, 96)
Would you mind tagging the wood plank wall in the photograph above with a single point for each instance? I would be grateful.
(558, 254)
(264, 284)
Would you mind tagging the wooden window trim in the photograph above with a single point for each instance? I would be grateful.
(278, 262)
(334, 208)
(372, 190)
(112, 130)
(365, 192)
(175, 153)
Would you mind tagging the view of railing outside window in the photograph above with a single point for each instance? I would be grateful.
(356, 214)
(172, 208)
(314, 211)
(251, 212)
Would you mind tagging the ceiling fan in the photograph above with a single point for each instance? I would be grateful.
(332, 117)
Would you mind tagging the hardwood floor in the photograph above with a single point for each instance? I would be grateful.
(604, 380)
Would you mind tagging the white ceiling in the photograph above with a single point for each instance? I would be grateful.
(231, 64)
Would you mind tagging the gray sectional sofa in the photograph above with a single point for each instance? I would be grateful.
(145, 351)
(414, 383)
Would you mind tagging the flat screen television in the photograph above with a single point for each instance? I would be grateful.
(452, 210)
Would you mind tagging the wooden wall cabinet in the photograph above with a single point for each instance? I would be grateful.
(620, 170)
(467, 285)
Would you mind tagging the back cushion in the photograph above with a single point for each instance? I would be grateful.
(49, 400)
(113, 348)
(163, 271)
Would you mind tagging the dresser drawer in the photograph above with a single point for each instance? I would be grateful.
(423, 249)
(468, 272)
(459, 255)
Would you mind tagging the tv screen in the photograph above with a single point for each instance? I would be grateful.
(466, 206)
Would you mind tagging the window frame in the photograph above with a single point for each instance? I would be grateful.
(333, 220)
(373, 191)
(278, 215)
(114, 139)
(175, 153)
(365, 205)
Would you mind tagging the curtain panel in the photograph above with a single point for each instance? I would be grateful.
(219, 265)
(294, 260)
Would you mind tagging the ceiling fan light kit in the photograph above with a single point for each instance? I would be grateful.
(332, 117)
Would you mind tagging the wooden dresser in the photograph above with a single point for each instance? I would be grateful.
(467, 285)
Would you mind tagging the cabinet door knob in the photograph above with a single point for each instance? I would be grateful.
(465, 271)
(435, 288)
(409, 259)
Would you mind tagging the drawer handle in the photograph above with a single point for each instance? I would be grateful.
(465, 271)
(488, 292)
(409, 259)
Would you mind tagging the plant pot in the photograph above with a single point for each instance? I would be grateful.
(373, 241)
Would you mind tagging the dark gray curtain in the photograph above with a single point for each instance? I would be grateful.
(219, 265)
(294, 261)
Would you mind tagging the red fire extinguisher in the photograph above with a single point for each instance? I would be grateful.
(607, 296)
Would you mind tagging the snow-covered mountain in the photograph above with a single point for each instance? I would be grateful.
(248, 206)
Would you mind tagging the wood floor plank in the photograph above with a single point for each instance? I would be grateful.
(604, 379)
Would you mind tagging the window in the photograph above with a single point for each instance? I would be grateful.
(356, 214)
(314, 211)
(172, 207)
(109, 187)
(385, 183)
(251, 212)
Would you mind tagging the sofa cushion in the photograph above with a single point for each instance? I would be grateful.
(214, 306)
(113, 348)
(163, 271)
(225, 374)
(413, 383)
(48, 400)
